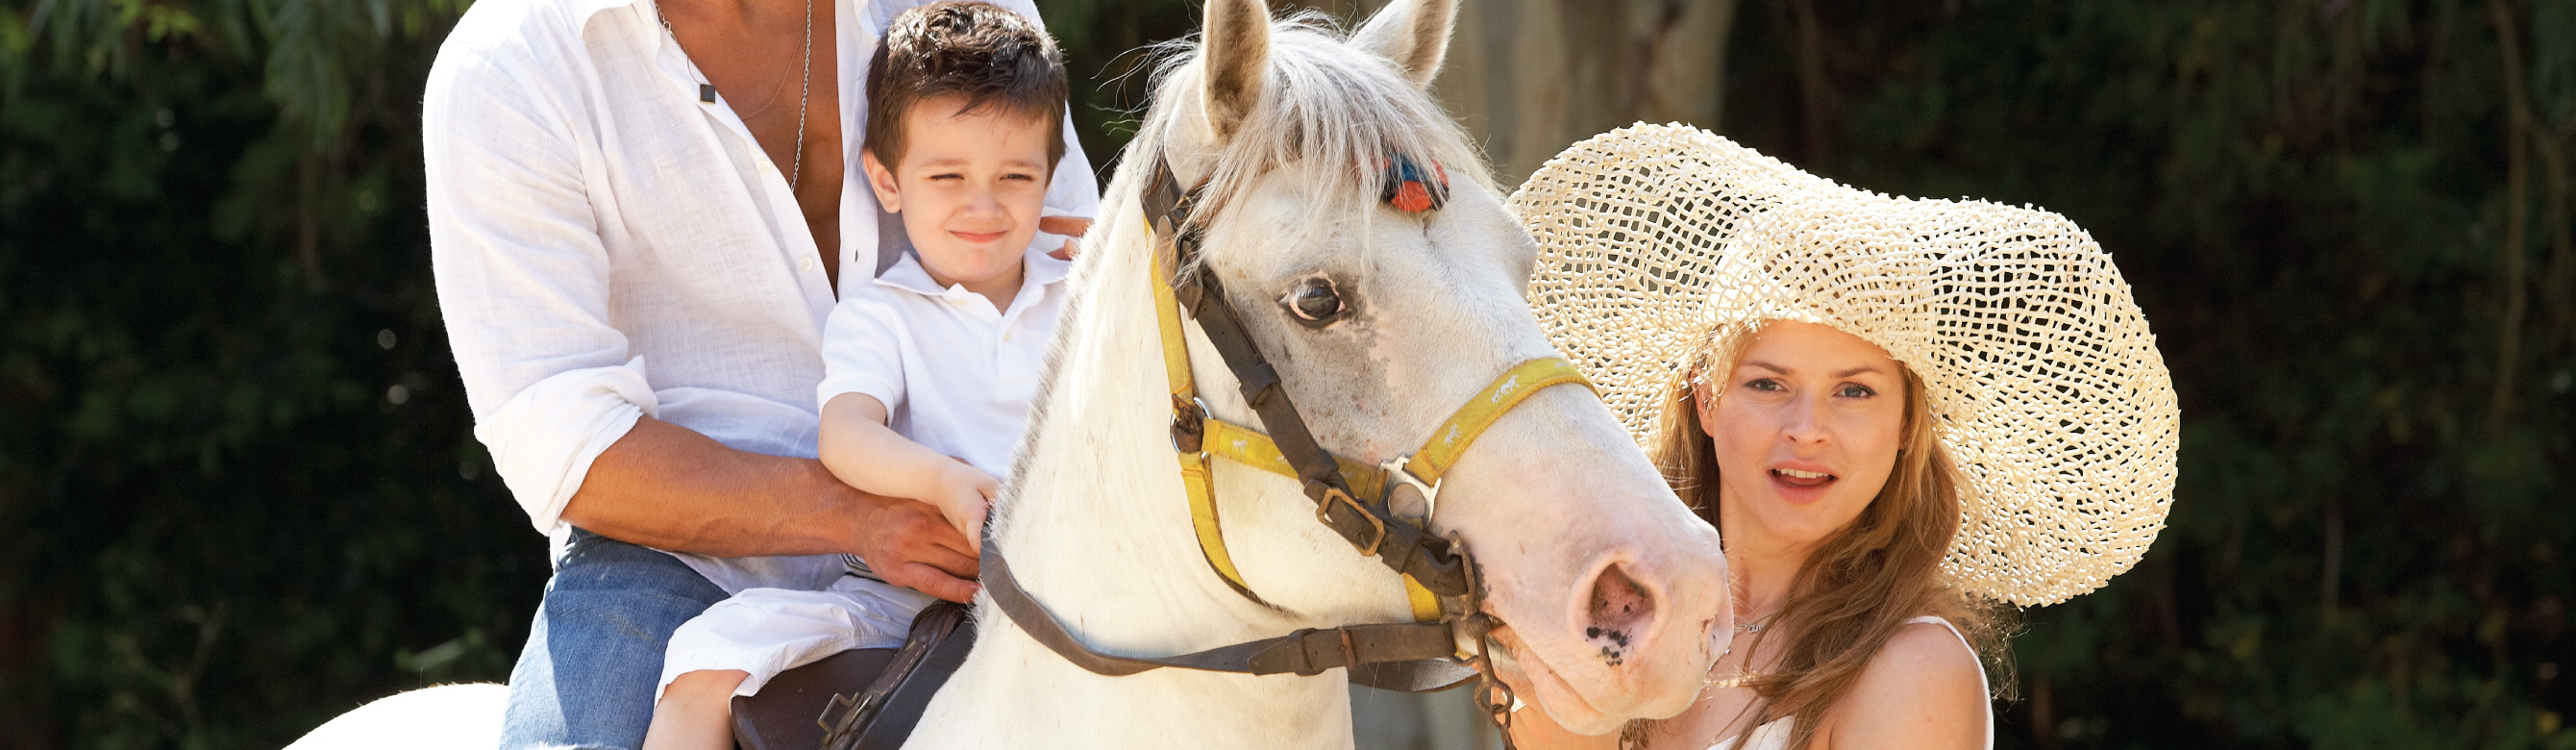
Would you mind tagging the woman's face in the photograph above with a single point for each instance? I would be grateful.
(1806, 429)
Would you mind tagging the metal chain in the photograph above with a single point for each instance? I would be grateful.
(804, 93)
(1492, 694)
(804, 98)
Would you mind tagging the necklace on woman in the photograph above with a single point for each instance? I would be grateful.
(1744, 675)
(1755, 626)
(804, 94)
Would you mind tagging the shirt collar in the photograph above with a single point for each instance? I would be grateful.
(1037, 269)
(908, 275)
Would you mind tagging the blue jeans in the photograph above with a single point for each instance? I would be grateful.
(594, 652)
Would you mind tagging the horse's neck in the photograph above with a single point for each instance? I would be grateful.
(1099, 531)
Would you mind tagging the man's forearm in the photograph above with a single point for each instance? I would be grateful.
(668, 487)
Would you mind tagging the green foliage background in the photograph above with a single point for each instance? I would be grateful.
(238, 493)
(2351, 232)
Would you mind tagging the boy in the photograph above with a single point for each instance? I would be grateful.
(929, 372)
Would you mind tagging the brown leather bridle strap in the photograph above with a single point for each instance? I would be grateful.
(1411, 657)
(1366, 523)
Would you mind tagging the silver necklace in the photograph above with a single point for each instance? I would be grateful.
(1744, 677)
(804, 93)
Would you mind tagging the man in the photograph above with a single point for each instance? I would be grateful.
(641, 214)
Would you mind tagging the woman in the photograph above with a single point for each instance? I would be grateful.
(1900, 414)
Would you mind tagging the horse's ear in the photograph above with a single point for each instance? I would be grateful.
(1237, 56)
(1413, 33)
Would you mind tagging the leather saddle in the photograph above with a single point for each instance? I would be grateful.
(860, 699)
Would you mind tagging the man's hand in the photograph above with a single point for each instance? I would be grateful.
(912, 545)
(1069, 226)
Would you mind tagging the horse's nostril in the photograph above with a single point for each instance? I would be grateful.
(1620, 611)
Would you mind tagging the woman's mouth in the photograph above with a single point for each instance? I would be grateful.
(1801, 483)
(1798, 478)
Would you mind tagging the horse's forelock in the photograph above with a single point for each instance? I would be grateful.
(1326, 102)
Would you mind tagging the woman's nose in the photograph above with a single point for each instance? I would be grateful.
(1806, 421)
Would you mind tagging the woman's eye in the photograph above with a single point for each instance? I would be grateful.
(1856, 391)
(1766, 384)
(1313, 300)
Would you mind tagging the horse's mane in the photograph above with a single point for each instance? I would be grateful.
(1323, 102)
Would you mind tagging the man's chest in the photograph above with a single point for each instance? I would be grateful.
(697, 217)
(776, 67)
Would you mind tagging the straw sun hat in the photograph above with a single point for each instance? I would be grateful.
(2044, 382)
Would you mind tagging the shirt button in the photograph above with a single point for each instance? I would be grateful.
(805, 263)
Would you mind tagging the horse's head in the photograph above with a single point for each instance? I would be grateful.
(1385, 306)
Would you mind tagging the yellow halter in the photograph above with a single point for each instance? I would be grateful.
(1420, 471)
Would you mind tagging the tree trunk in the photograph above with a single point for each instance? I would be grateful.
(1530, 77)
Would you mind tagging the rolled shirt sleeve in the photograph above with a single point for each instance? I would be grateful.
(1074, 190)
(522, 280)
(544, 439)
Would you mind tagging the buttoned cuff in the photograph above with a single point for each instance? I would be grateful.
(544, 439)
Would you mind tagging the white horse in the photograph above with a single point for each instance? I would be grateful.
(1289, 128)
(1612, 595)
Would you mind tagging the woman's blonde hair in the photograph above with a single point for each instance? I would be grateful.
(1862, 583)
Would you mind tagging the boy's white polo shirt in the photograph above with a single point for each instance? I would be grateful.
(955, 374)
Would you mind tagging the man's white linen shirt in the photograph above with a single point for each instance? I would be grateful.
(590, 217)
(955, 374)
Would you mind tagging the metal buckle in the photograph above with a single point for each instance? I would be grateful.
(854, 711)
(1398, 476)
(1189, 425)
(1334, 495)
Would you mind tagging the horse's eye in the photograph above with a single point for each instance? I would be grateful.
(1313, 300)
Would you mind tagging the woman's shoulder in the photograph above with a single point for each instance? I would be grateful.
(1925, 686)
(1931, 647)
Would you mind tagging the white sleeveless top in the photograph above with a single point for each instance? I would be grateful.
(1775, 735)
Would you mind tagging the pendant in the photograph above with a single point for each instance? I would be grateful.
(707, 93)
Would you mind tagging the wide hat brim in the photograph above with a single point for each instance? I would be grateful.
(2045, 383)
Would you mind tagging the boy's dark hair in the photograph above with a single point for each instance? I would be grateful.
(978, 50)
